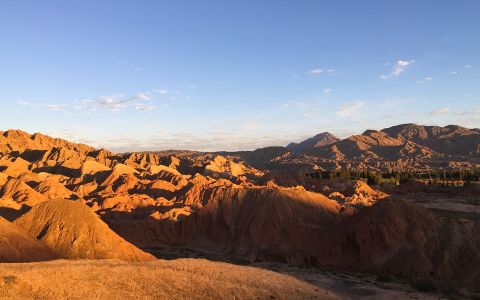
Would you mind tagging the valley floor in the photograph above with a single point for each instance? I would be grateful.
(185, 278)
(350, 285)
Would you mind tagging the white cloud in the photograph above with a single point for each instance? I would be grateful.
(453, 73)
(169, 92)
(55, 107)
(316, 71)
(225, 140)
(398, 68)
(104, 102)
(306, 107)
(25, 103)
(440, 111)
(424, 80)
(327, 91)
(350, 108)
(114, 103)
(293, 103)
(143, 96)
(141, 101)
(162, 92)
(145, 107)
(455, 112)
(475, 111)
(467, 66)
(395, 102)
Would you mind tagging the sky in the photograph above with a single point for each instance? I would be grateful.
(235, 75)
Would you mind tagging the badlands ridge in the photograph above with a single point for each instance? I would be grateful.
(62, 200)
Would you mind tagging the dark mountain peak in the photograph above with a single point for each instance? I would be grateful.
(408, 131)
(319, 140)
(417, 133)
(324, 136)
(369, 132)
(459, 130)
(14, 133)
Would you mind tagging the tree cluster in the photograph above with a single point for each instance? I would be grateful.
(442, 176)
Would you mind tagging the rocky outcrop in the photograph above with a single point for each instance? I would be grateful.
(73, 230)
(16, 245)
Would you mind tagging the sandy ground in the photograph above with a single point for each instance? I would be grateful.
(454, 199)
(160, 279)
(189, 278)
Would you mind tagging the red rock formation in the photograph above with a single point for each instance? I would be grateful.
(16, 245)
(72, 230)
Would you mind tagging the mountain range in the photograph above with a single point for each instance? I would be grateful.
(407, 146)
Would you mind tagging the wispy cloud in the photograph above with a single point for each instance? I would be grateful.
(395, 102)
(57, 107)
(145, 107)
(211, 141)
(455, 112)
(398, 68)
(141, 101)
(440, 111)
(169, 92)
(306, 107)
(467, 112)
(426, 79)
(308, 114)
(54, 107)
(327, 91)
(26, 103)
(350, 108)
(293, 103)
(318, 71)
(114, 103)
(467, 66)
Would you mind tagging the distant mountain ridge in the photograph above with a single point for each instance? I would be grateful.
(402, 140)
(405, 146)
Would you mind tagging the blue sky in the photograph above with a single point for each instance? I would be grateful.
(234, 75)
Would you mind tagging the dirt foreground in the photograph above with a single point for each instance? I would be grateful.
(159, 279)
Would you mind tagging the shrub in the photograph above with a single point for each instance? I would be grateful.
(10, 279)
(384, 278)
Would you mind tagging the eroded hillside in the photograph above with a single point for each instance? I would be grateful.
(61, 193)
